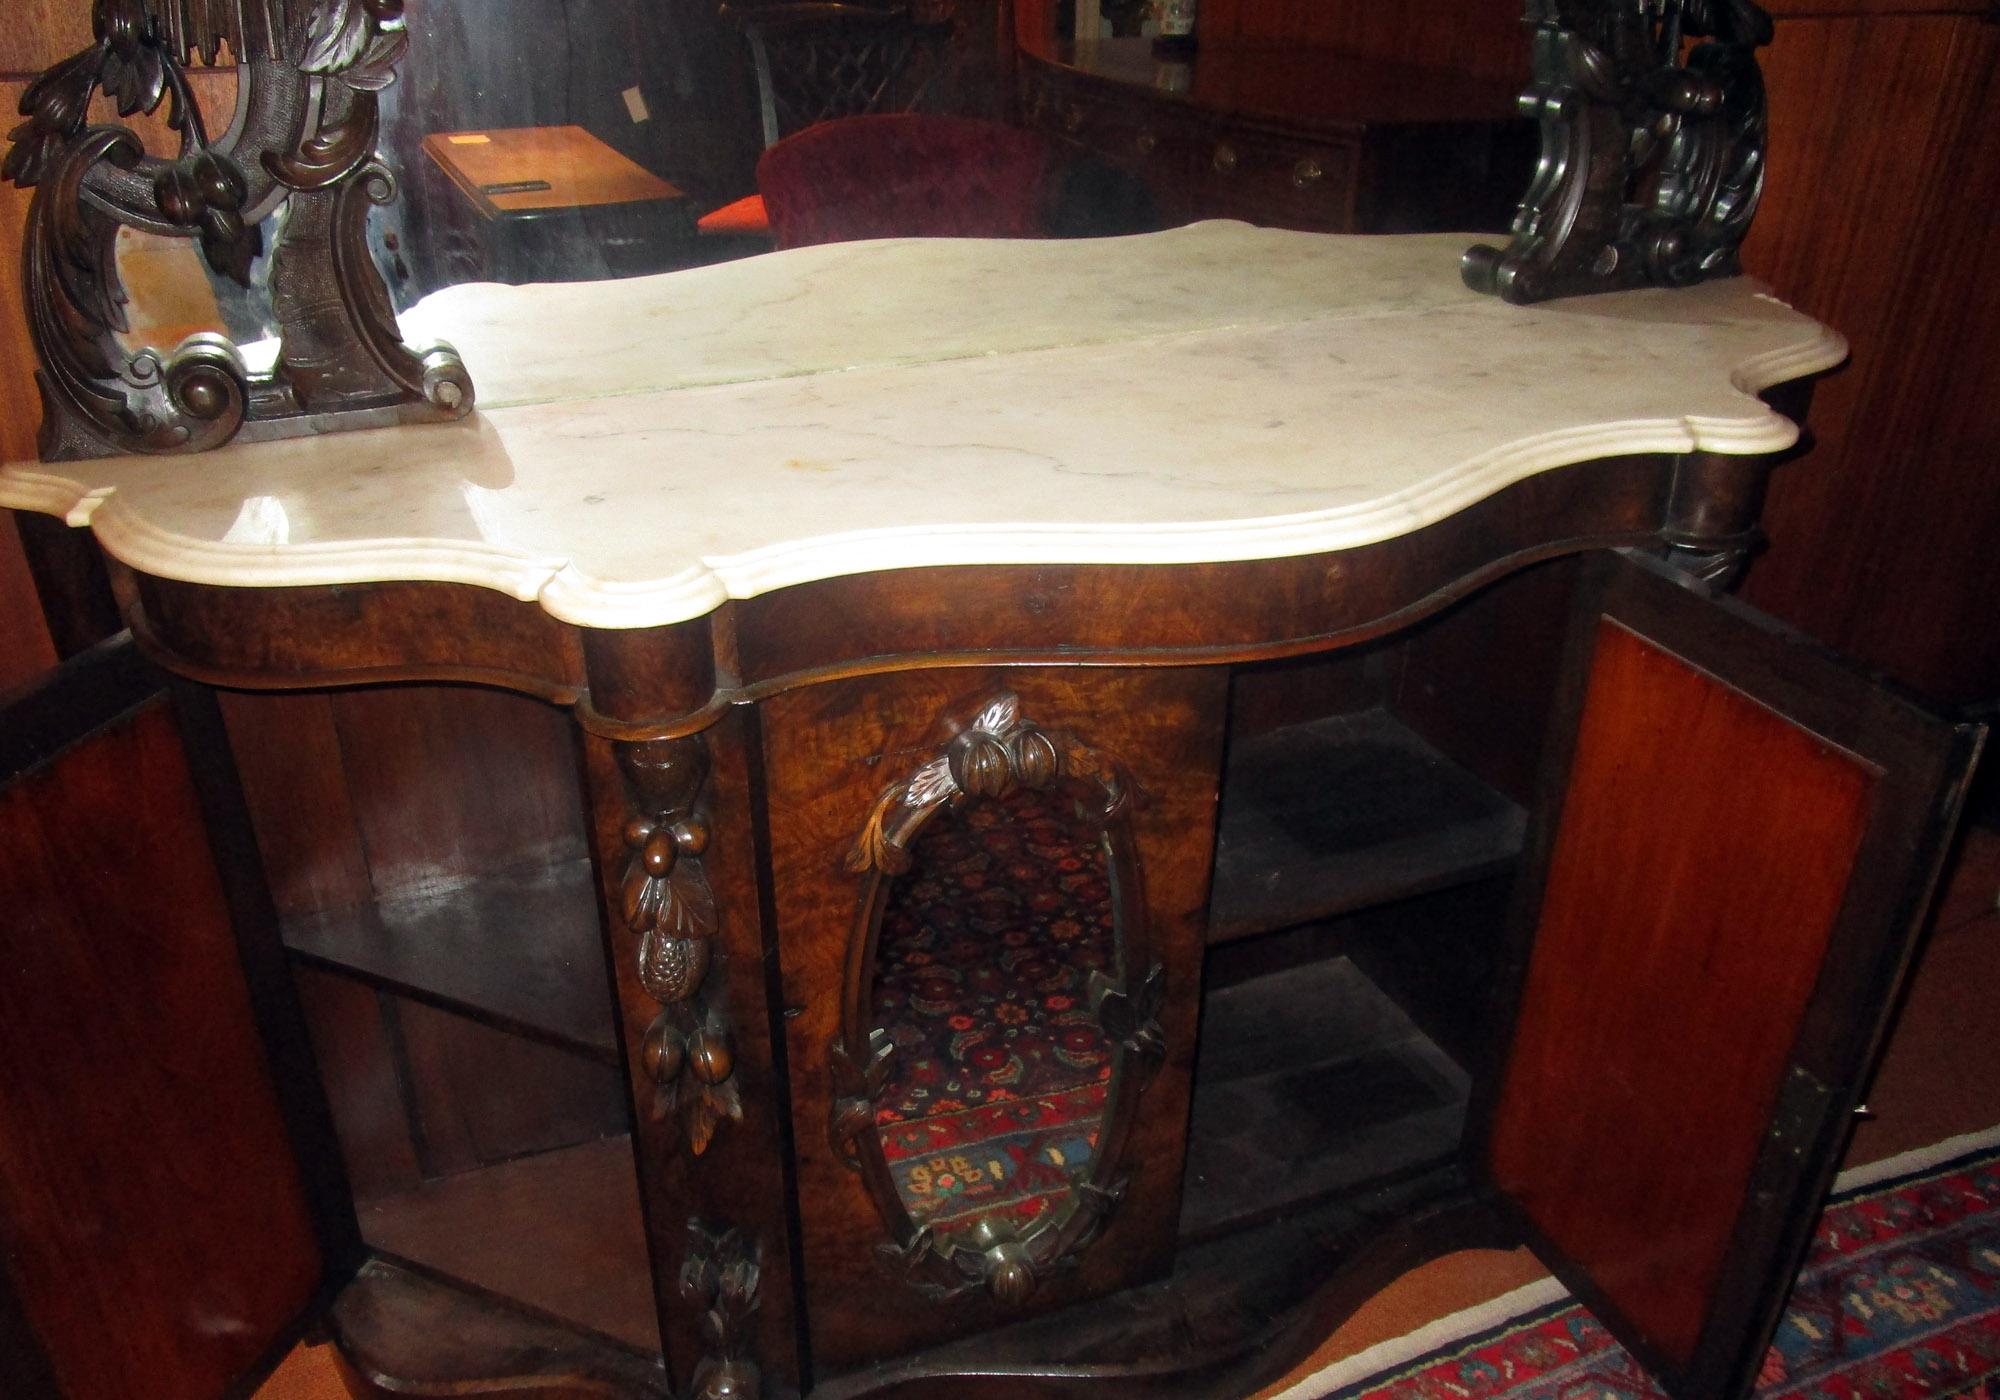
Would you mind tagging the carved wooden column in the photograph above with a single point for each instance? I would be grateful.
(1710, 527)
(676, 847)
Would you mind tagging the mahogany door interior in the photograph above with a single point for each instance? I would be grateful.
(1733, 850)
(161, 1233)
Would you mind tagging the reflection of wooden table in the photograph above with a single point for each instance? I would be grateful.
(775, 561)
(557, 197)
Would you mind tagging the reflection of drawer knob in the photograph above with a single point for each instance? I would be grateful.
(1225, 158)
(1146, 142)
(1073, 119)
(1307, 173)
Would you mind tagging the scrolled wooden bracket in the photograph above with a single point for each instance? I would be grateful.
(720, 1273)
(1652, 149)
(309, 71)
(665, 899)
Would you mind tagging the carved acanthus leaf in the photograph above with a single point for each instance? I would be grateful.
(857, 1083)
(56, 105)
(1132, 1018)
(345, 35)
(721, 1271)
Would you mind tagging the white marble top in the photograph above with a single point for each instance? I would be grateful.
(646, 449)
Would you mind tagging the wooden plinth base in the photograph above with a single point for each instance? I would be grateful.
(1236, 1314)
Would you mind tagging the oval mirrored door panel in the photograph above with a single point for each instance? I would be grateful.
(995, 1037)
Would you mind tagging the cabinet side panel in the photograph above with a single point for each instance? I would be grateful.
(1705, 849)
(152, 1212)
(26, 649)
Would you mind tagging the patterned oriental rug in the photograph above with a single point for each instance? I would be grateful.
(982, 974)
(1899, 1299)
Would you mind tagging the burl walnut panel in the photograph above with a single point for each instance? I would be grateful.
(828, 753)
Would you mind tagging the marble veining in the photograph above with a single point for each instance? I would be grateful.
(645, 450)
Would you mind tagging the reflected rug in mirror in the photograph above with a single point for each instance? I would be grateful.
(1899, 1299)
(983, 968)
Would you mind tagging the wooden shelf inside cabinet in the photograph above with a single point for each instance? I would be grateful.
(1324, 818)
(521, 950)
(1311, 1082)
(404, 1332)
(559, 1232)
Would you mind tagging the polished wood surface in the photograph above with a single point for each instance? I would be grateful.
(382, 631)
(569, 167)
(558, 1232)
(1737, 841)
(1655, 1031)
(401, 1333)
(742, 1176)
(1287, 135)
(159, 1235)
(1309, 86)
(1481, 37)
(72, 585)
(351, 1043)
(828, 752)
(1879, 217)
(878, 623)
(25, 647)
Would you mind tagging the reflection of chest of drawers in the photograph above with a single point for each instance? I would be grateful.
(1290, 137)
(982, 606)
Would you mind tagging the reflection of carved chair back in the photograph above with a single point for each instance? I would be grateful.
(818, 60)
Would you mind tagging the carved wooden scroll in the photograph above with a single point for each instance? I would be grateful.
(999, 754)
(304, 139)
(1653, 134)
(720, 1272)
(666, 901)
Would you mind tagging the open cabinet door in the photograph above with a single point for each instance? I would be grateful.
(160, 1233)
(1736, 842)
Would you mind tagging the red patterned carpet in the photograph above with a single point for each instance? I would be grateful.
(982, 972)
(1899, 1299)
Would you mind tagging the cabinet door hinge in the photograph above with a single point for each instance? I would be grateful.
(1800, 1112)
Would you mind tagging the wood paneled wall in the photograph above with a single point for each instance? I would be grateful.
(1483, 37)
(1881, 219)
(26, 650)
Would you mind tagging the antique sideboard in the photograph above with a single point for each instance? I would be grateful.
(947, 612)
(1287, 135)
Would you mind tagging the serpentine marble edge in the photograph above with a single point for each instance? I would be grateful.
(646, 449)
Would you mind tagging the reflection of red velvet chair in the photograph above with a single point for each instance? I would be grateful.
(905, 176)
(823, 60)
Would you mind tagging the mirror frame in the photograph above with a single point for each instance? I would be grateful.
(1653, 132)
(301, 145)
(998, 752)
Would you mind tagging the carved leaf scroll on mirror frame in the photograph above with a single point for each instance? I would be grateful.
(1022, 780)
(301, 146)
(1654, 129)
